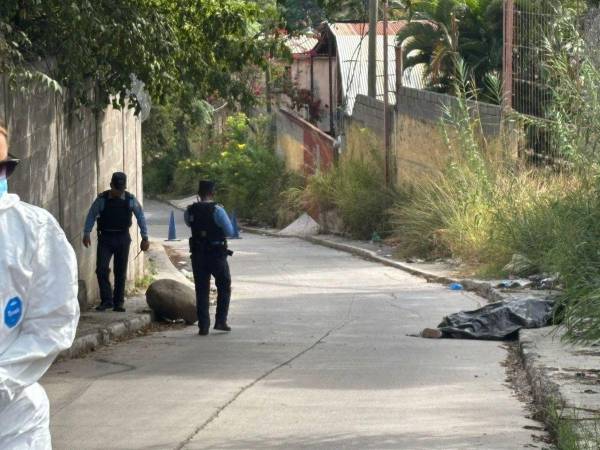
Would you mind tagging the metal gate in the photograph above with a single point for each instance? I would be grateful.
(526, 24)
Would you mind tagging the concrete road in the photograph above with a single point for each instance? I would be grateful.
(157, 216)
(319, 358)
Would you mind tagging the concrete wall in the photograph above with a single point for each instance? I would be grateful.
(67, 158)
(300, 72)
(417, 143)
(304, 148)
(321, 89)
(365, 129)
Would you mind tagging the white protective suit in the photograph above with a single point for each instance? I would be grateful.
(38, 317)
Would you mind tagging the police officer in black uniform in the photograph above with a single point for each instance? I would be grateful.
(208, 245)
(114, 210)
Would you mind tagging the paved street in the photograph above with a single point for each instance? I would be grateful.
(319, 357)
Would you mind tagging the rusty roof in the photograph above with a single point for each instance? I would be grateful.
(362, 28)
(299, 45)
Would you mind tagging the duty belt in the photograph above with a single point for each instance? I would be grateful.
(206, 246)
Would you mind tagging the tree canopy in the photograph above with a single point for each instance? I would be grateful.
(302, 14)
(168, 44)
(441, 30)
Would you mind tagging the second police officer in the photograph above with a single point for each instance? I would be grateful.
(114, 209)
(208, 246)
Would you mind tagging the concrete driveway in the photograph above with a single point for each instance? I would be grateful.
(319, 357)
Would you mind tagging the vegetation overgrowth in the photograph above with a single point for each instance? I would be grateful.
(248, 174)
(92, 48)
(486, 206)
(353, 191)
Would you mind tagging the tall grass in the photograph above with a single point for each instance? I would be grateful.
(452, 213)
(354, 189)
(486, 207)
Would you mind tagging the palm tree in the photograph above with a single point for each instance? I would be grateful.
(441, 30)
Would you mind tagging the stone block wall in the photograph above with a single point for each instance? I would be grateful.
(419, 145)
(416, 139)
(68, 157)
(430, 107)
(369, 112)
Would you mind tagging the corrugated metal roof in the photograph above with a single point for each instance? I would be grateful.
(299, 45)
(353, 54)
(361, 28)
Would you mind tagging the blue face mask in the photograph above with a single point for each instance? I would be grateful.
(3, 182)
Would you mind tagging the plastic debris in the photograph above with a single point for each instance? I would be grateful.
(513, 284)
(520, 265)
(456, 287)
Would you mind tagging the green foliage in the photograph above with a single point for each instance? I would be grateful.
(190, 49)
(452, 214)
(361, 198)
(485, 208)
(166, 137)
(354, 189)
(301, 14)
(338, 10)
(249, 176)
(441, 30)
(571, 432)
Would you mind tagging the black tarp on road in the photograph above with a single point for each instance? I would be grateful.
(498, 321)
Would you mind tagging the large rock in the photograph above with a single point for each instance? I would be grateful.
(170, 299)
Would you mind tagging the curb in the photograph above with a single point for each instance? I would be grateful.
(544, 390)
(104, 336)
(122, 329)
(482, 288)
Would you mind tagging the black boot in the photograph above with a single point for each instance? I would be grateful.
(222, 326)
(103, 307)
(203, 331)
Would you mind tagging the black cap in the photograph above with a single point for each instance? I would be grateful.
(206, 187)
(119, 181)
(10, 163)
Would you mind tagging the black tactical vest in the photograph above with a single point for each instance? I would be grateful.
(117, 213)
(204, 227)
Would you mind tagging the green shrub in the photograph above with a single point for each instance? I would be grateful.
(250, 176)
(451, 214)
(361, 198)
(355, 189)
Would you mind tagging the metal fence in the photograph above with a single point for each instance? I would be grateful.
(526, 25)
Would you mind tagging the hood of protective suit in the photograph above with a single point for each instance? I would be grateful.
(38, 304)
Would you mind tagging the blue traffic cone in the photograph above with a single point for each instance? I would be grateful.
(172, 230)
(234, 224)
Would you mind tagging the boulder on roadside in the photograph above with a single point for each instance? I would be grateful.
(170, 299)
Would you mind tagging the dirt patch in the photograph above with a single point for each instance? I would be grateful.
(516, 379)
(178, 260)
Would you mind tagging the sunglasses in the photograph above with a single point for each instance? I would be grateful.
(9, 165)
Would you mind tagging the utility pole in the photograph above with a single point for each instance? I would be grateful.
(386, 90)
(372, 80)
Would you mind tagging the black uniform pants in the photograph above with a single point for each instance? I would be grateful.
(112, 245)
(205, 265)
